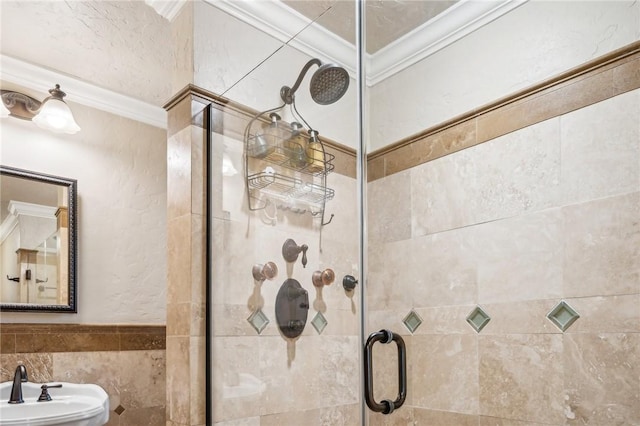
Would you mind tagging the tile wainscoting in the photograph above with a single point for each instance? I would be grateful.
(128, 361)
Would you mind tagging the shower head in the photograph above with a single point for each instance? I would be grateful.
(328, 84)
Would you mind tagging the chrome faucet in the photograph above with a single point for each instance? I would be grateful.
(16, 391)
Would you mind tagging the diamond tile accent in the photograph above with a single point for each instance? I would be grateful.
(258, 320)
(478, 318)
(119, 410)
(412, 321)
(563, 315)
(319, 322)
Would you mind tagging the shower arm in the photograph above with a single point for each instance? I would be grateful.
(286, 92)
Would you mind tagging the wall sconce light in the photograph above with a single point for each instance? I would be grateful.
(51, 114)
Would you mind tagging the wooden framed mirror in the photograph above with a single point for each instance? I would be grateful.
(37, 242)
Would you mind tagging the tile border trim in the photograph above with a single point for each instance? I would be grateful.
(38, 337)
(602, 78)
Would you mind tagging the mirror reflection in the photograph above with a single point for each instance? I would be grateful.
(37, 242)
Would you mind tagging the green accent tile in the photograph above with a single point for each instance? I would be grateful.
(319, 322)
(258, 320)
(563, 315)
(412, 321)
(478, 319)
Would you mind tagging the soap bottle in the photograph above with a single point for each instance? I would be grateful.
(274, 134)
(296, 147)
(315, 153)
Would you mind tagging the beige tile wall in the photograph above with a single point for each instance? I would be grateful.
(516, 224)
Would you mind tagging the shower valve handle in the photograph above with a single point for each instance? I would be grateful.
(268, 271)
(349, 282)
(322, 278)
(290, 251)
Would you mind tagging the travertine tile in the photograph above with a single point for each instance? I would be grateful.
(344, 162)
(443, 418)
(142, 379)
(449, 140)
(525, 317)
(601, 149)
(521, 377)
(601, 379)
(178, 316)
(179, 259)
(602, 246)
(7, 343)
(237, 379)
(444, 366)
(510, 175)
(198, 167)
(179, 174)
(375, 169)
(178, 379)
(344, 226)
(608, 314)
(389, 265)
(148, 416)
(68, 342)
(39, 366)
(388, 319)
(440, 269)
(142, 341)
(626, 77)
(494, 421)
(179, 116)
(400, 159)
(445, 320)
(343, 415)
(198, 261)
(247, 421)
(198, 380)
(519, 258)
(389, 208)
(100, 368)
(401, 417)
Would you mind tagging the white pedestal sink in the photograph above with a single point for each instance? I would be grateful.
(71, 405)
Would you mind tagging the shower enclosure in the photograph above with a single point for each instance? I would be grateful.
(450, 239)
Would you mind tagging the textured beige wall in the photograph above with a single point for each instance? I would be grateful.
(537, 40)
(120, 166)
(546, 213)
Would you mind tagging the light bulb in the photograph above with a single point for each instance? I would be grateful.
(55, 115)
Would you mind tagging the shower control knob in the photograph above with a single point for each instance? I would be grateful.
(261, 272)
(349, 282)
(291, 250)
(322, 278)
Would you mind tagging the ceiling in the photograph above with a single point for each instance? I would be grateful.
(113, 55)
(386, 20)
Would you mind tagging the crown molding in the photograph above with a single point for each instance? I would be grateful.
(285, 24)
(460, 20)
(19, 208)
(168, 9)
(40, 79)
(292, 28)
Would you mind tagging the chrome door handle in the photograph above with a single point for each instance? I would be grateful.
(385, 406)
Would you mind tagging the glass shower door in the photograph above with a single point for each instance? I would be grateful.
(284, 344)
